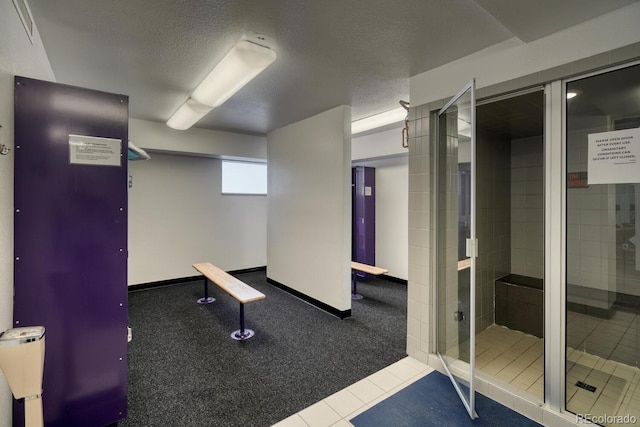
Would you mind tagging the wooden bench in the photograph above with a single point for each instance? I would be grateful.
(365, 268)
(234, 287)
(464, 264)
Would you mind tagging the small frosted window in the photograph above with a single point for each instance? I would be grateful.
(244, 178)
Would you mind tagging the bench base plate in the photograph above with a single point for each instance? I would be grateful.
(356, 296)
(240, 336)
(206, 300)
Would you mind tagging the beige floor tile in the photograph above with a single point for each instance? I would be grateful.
(404, 370)
(293, 421)
(366, 391)
(344, 402)
(385, 380)
(537, 390)
(342, 423)
(506, 376)
(319, 415)
(579, 407)
(358, 412)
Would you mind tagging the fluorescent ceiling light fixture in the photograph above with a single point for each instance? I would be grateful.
(239, 66)
(188, 115)
(245, 61)
(378, 120)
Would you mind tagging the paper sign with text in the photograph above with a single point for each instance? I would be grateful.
(92, 150)
(614, 157)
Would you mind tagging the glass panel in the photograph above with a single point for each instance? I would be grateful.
(454, 227)
(603, 264)
(510, 230)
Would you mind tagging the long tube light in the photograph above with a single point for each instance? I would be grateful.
(188, 115)
(239, 66)
(378, 120)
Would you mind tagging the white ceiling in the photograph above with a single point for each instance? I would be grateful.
(330, 52)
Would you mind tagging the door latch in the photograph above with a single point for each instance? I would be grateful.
(458, 316)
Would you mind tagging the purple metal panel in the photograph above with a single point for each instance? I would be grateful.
(71, 250)
(364, 215)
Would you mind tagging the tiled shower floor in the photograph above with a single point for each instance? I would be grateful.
(615, 339)
(513, 357)
(518, 359)
(616, 386)
(603, 353)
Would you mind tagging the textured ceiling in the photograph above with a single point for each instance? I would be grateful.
(330, 52)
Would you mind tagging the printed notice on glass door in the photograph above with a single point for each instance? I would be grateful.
(93, 150)
(614, 157)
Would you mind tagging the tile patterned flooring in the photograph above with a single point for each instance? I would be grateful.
(512, 357)
(337, 409)
(616, 338)
(617, 389)
(600, 355)
(603, 353)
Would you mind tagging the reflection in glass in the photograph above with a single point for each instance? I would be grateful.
(454, 220)
(603, 266)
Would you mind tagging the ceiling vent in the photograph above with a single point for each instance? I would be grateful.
(25, 16)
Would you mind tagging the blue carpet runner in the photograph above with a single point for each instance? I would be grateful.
(432, 401)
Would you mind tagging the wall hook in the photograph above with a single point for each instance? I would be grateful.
(4, 149)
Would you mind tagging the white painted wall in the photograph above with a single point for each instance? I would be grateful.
(392, 216)
(378, 145)
(309, 207)
(17, 57)
(514, 58)
(392, 213)
(178, 216)
(158, 137)
(384, 151)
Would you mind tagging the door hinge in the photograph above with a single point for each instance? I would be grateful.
(472, 248)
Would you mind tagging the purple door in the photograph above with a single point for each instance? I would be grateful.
(364, 216)
(71, 246)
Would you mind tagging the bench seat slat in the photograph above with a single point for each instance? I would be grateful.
(233, 286)
(366, 268)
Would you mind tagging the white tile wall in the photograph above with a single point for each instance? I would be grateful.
(591, 256)
(420, 299)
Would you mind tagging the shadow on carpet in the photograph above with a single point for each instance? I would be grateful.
(432, 401)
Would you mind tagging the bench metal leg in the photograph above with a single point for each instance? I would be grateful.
(354, 284)
(242, 333)
(207, 299)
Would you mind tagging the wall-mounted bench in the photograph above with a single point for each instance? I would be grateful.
(234, 287)
(365, 268)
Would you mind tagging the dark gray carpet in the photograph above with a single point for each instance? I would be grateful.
(185, 370)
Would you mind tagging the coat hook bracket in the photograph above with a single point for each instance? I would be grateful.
(4, 149)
